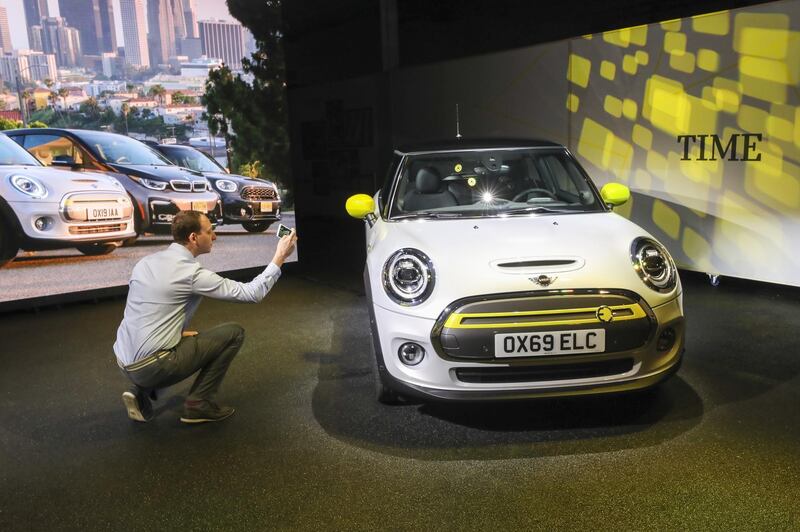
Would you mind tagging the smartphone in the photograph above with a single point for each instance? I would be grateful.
(283, 231)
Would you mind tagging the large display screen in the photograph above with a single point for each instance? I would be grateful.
(79, 210)
(699, 116)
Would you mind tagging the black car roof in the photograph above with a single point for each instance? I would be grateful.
(73, 132)
(475, 144)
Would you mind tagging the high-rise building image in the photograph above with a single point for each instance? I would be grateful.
(223, 40)
(133, 31)
(61, 40)
(190, 17)
(5, 33)
(161, 31)
(94, 19)
(35, 11)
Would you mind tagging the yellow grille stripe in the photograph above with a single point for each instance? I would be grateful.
(454, 321)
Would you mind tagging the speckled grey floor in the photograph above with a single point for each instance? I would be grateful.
(308, 448)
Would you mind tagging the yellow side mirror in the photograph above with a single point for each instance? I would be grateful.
(615, 194)
(359, 206)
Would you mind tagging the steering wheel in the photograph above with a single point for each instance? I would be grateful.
(525, 193)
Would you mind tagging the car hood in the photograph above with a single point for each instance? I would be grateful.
(61, 181)
(159, 173)
(240, 180)
(496, 255)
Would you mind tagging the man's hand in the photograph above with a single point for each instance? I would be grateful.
(189, 333)
(285, 248)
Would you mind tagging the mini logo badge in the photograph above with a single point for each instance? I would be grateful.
(604, 314)
(543, 280)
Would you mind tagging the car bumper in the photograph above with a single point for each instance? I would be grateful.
(442, 377)
(237, 210)
(65, 227)
(162, 209)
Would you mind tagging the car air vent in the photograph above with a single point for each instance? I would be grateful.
(181, 186)
(199, 186)
(84, 180)
(535, 263)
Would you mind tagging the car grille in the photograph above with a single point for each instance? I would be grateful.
(179, 185)
(466, 330)
(199, 186)
(95, 229)
(550, 372)
(259, 193)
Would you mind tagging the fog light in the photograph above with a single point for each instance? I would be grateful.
(411, 354)
(44, 223)
(666, 340)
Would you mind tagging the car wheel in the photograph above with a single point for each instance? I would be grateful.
(96, 249)
(7, 249)
(383, 393)
(256, 227)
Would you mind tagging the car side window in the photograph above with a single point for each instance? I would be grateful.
(46, 147)
(19, 139)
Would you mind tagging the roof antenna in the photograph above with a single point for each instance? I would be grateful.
(458, 124)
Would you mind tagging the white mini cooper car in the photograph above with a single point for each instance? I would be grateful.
(47, 208)
(496, 270)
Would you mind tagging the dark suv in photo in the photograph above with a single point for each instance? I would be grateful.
(254, 203)
(158, 188)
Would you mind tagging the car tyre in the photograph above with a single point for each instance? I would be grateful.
(96, 249)
(383, 393)
(7, 248)
(256, 227)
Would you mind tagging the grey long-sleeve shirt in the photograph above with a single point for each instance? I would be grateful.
(165, 291)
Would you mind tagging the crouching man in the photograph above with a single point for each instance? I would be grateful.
(155, 350)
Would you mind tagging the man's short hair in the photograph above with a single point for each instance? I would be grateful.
(184, 224)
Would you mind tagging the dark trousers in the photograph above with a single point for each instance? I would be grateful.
(210, 352)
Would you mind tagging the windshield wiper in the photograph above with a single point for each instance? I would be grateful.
(428, 214)
(537, 210)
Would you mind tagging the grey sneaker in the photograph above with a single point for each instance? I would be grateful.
(138, 406)
(204, 412)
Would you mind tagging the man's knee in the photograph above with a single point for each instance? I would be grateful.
(232, 330)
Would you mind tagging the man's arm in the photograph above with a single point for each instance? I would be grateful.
(208, 283)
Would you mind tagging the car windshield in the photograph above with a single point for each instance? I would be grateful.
(485, 183)
(192, 159)
(12, 153)
(118, 149)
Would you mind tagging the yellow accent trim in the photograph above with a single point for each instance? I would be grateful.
(359, 205)
(615, 193)
(454, 321)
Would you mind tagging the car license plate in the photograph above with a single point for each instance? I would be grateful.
(526, 344)
(200, 206)
(266, 206)
(102, 213)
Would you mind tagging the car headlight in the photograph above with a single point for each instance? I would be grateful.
(225, 185)
(152, 184)
(653, 264)
(29, 186)
(408, 277)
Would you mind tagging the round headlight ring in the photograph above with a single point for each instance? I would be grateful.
(654, 265)
(226, 185)
(28, 186)
(408, 277)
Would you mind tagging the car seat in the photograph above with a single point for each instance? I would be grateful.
(428, 192)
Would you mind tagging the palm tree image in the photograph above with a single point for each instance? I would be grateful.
(63, 93)
(125, 110)
(158, 92)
